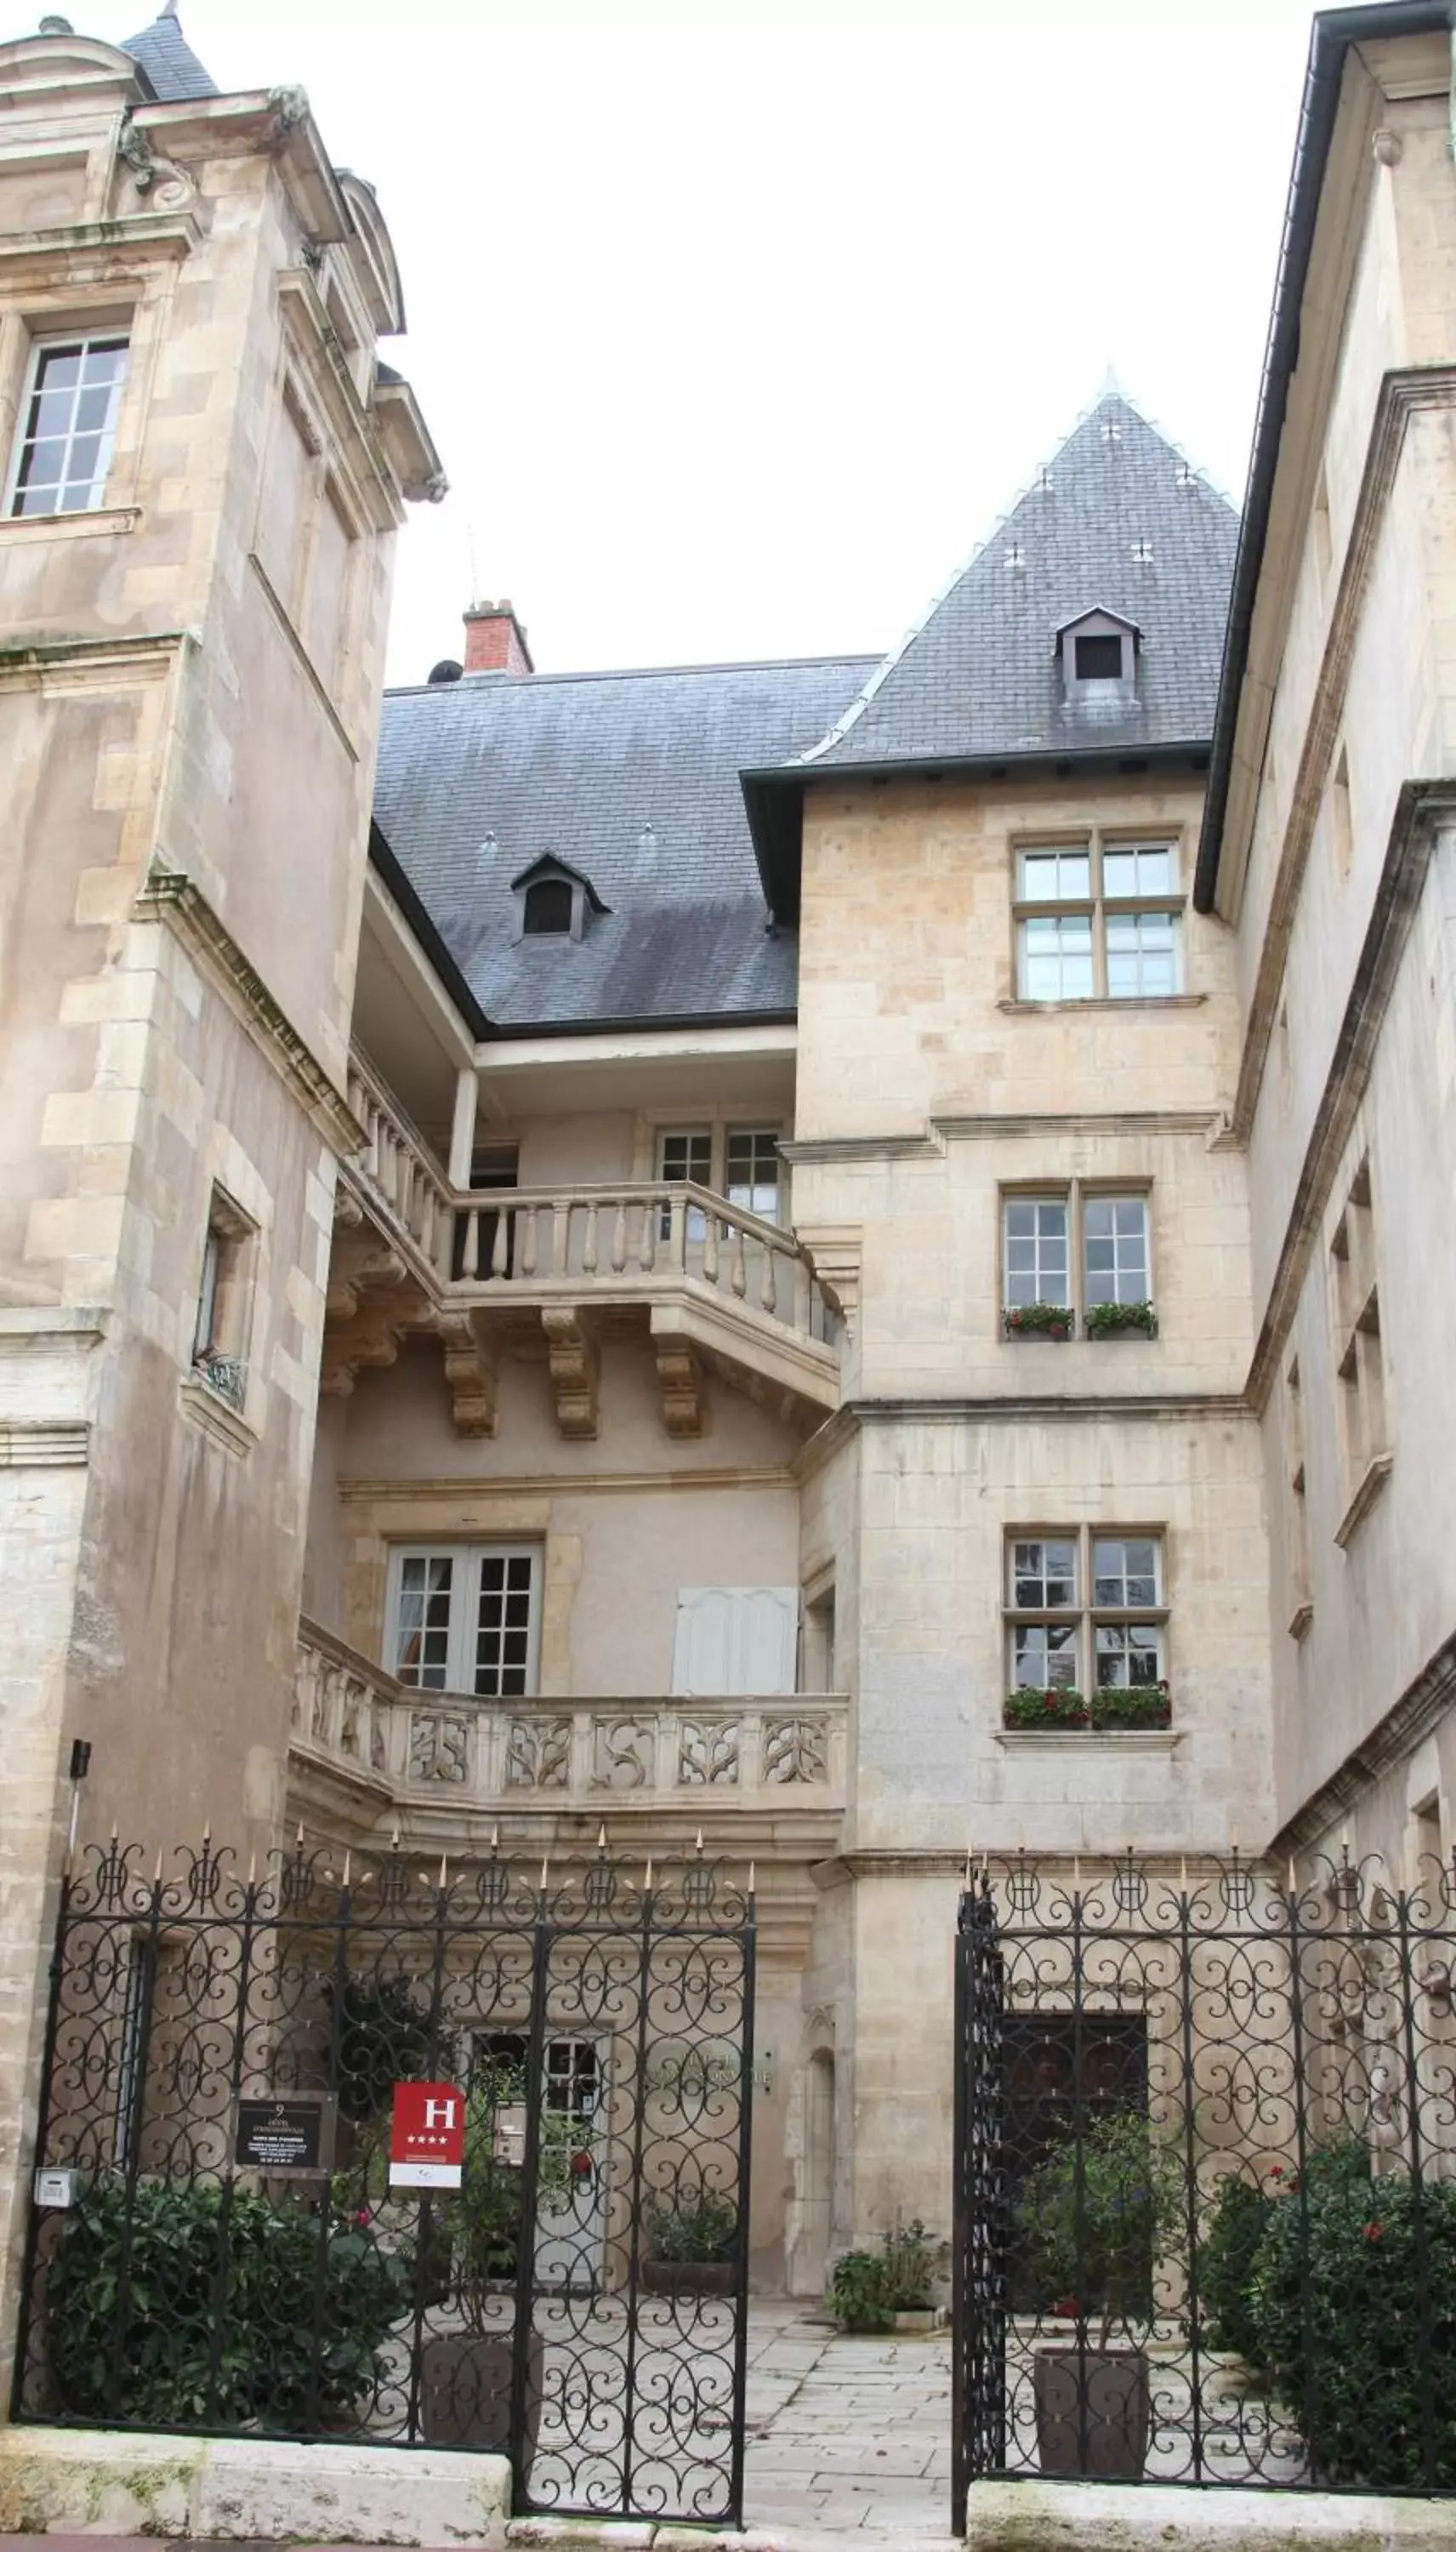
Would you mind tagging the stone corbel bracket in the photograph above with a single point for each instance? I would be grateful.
(470, 1372)
(572, 1354)
(684, 1395)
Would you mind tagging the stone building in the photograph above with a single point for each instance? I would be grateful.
(748, 1219)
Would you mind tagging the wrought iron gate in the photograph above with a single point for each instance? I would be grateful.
(1205, 2176)
(217, 2243)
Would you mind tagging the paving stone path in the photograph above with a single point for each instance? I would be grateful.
(849, 2440)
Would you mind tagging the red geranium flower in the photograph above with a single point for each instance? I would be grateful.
(1374, 2232)
(580, 2164)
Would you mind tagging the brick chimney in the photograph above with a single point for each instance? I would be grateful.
(496, 642)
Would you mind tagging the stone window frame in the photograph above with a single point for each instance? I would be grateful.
(1084, 1616)
(44, 342)
(1096, 906)
(468, 1558)
(50, 301)
(717, 1126)
(1357, 1350)
(330, 481)
(1075, 1195)
(227, 1278)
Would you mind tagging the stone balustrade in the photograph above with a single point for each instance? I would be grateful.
(783, 1750)
(647, 1236)
(399, 1169)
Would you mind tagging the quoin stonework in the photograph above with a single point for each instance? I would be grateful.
(839, 1257)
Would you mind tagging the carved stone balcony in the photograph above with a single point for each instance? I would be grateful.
(365, 1747)
(556, 1273)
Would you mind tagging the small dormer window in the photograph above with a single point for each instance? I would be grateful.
(1098, 650)
(547, 907)
(555, 900)
(1097, 659)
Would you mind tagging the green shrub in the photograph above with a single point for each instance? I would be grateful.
(1227, 2250)
(1097, 2216)
(1352, 2299)
(870, 2286)
(857, 2296)
(698, 2225)
(223, 2293)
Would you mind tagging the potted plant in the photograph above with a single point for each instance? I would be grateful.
(1121, 1320)
(691, 2243)
(1095, 2216)
(891, 2288)
(1135, 1705)
(1058, 1705)
(1038, 1321)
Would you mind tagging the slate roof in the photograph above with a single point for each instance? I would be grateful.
(979, 677)
(633, 779)
(169, 62)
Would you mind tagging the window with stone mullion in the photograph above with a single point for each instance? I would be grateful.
(1037, 1258)
(1045, 1613)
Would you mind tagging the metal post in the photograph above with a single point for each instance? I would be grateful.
(734, 2510)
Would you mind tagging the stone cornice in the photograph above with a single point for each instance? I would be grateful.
(1401, 394)
(576, 1484)
(172, 900)
(1015, 1408)
(1421, 1709)
(1421, 809)
(1207, 1124)
(80, 664)
(103, 252)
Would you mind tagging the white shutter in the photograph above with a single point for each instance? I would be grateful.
(735, 1640)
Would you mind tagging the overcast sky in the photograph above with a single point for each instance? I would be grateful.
(739, 322)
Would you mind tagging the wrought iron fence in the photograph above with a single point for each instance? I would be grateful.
(221, 2240)
(1206, 2177)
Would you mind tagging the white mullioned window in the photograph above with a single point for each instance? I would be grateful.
(67, 423)
(1035, 1250)
(1097, 920)
(750, 1160)
(1114, 1249)
(1085, 1610)
(464, 1618)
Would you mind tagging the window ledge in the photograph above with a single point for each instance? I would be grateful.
(1135, 1001)
(69, 527)
(1376, 1476)
(1137, 1741)
(217, 1418)
(1300, 1619)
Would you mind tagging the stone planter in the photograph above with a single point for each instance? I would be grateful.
(917, 2317)
(465, 2393)
(688, 2276)
(1092, 2412)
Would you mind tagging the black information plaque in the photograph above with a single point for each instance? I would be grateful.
(280, 2136)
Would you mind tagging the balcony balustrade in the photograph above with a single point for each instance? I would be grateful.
(416, 1749)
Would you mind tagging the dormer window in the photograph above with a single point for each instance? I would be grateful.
(1097, 649)
(547, 908)
(555, 900)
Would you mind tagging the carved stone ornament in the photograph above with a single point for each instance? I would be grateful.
(438, 1747)
(171, 188)
(679, 1378)
(623, 1753)
(707, 1753)
(538, 1755)
(571, 1352)
(469, 1373)
(795, 1750)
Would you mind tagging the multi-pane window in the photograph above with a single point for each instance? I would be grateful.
(1083, 1249)
(67, 429)
(1359, 1355)
(1097, 920)
(1114, 1246)
(753, 1170)
(687, 1152)
(220, 1331)
(1036, 1265)
(1085, 1610)
(464, 1618)
(68, 425)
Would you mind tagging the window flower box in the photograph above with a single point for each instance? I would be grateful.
(1039, 1320)
(225, 1376)
(1138, 1705)
(1055, 1706)
(1121, 1320)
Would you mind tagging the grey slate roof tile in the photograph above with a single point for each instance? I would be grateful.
(170, 62)
(631, 777)
(980, 674)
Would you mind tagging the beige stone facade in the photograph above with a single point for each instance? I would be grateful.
(764, 1472)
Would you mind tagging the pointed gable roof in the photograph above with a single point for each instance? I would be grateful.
(164, 54)
(1117, 522)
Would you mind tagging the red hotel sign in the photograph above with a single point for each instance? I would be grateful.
(427, 2136)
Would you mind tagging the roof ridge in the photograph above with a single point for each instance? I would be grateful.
(1111, 392)
(637, 673)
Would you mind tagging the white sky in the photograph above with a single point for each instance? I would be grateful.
(738, 322)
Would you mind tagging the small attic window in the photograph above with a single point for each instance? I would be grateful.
(1097, 659)
(547, 907)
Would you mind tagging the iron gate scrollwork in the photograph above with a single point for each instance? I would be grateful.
(220, 2058)
(1205, 2176)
